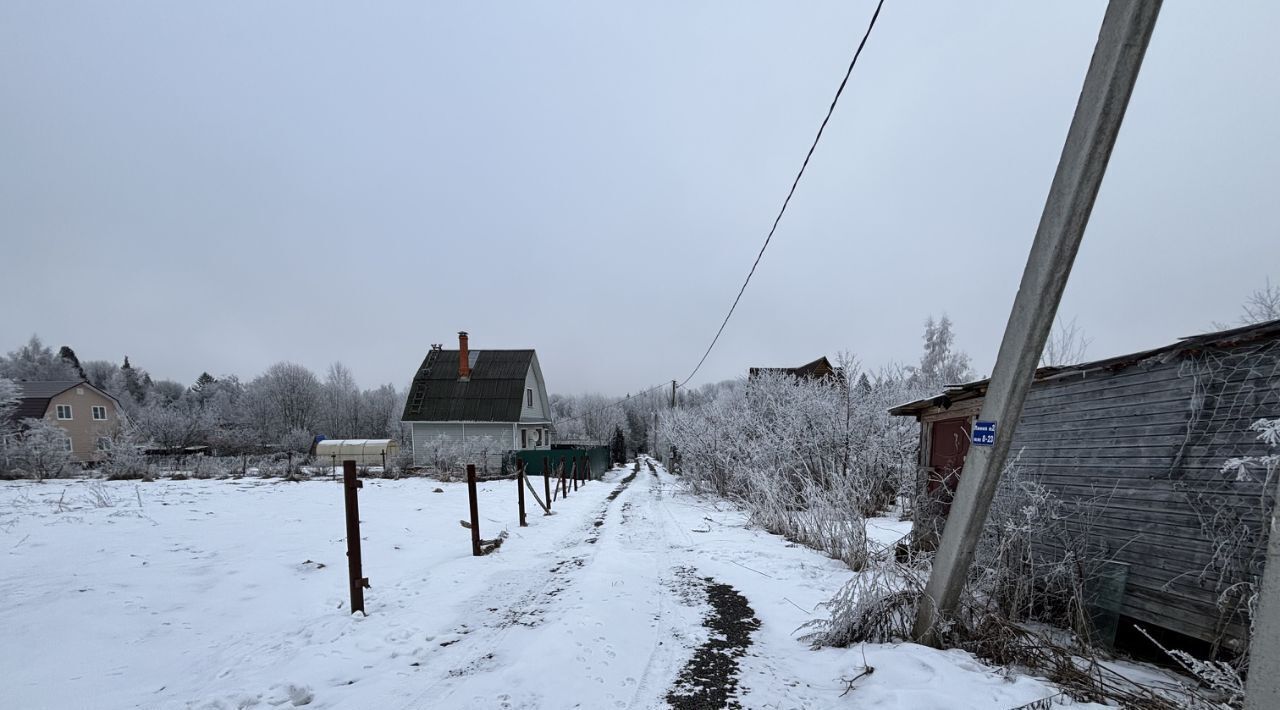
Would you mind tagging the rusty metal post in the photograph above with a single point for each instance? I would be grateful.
(355, 572)
(475, 510)
(573, 474)
(520, 485)
(546, 479)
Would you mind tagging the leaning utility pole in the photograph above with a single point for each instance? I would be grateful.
(1122, 42)
(1263, 686)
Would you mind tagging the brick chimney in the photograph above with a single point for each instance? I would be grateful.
(464, 365)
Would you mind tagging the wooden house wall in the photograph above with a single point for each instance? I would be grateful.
(1140, 451)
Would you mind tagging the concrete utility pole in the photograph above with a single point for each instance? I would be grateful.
(1263, 687)
(1122, 42)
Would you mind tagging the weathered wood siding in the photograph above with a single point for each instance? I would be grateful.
(1140, 451)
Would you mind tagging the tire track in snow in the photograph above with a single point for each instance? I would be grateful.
(536, 594)
(661, 659)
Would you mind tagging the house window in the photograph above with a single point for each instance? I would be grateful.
(528, 398)
(64, 411)
(104, 443)
(67, 443)
(537, 439)
(99, 414)
(524, 438)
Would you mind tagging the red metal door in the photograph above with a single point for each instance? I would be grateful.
(948, 445)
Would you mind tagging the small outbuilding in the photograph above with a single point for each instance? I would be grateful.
(1139, 444)
(365, 452)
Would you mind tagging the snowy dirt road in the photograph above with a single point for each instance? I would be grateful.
(231, 594)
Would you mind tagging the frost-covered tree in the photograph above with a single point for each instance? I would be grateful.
(99, 372)
(283, 399)
(42, 450)
(339, 414)
(8, 403)
(941, 363)
(36, 362)
(165, 391)
(1262, 305)
(380, 410)
(1066, 345)
(807, 458)
(297, 441)
(172, 424)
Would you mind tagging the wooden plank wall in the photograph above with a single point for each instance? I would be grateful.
(1140, 452)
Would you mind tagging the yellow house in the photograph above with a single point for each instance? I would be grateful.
(89, 415)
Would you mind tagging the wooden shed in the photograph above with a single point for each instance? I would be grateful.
(1140, 441)
(365, 452)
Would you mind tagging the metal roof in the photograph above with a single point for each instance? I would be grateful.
(818, 368)
(951, 394)
(33, 397)
(493, 393)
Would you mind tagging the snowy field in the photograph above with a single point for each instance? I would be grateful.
(232, 594)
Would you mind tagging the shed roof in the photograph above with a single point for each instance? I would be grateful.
(951, 394)
(493, 393)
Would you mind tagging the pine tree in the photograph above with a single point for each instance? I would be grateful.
(203, 382)
(619, 447)
(67, 355)
(940, 365)
(133, 381)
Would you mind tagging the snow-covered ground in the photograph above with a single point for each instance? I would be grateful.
(232, 594)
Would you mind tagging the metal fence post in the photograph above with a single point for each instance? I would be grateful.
(520, 486)
(355, 572)
(475, 510)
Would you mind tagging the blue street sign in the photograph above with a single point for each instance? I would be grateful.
(984, 433)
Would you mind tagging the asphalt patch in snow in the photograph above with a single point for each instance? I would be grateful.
(710, 679)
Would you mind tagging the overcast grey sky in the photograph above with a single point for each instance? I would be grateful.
(219, 186)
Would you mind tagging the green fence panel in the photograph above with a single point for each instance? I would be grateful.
(536, 461)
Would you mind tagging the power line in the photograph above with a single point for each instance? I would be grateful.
(774, 228)
(790, 192)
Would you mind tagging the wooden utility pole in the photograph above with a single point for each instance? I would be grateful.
(1263, 686)
(673, 394)
(1122, 42)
